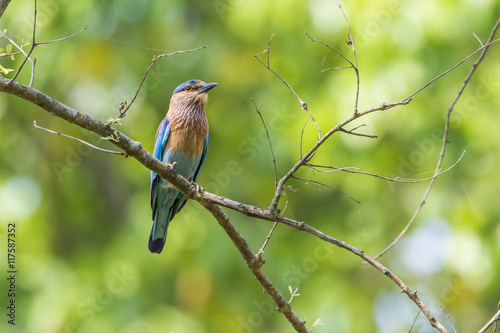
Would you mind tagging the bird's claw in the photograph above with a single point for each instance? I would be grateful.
(172, 165)
(199, 189)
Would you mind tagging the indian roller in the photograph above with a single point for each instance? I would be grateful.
(181, 140)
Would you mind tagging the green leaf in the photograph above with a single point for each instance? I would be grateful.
(5, 70)
(9, 48)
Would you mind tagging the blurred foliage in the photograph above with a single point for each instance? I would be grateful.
(83, 217)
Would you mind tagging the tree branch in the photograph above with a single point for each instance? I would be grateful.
(81, 141)
(210, 201)
(155, 60)
(135, 150)
(492, 321)
(254, 263)
(257, 108)
(446, 129)
(3, 6)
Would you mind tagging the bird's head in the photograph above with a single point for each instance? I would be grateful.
(192, 93)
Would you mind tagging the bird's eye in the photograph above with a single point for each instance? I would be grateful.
(187, 88)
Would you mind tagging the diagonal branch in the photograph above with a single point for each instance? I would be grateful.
(32, 48)
(3, 6)
(492, 321)
(155, 60)
(257, 108)
(318, 185)
(302, 103)
(395, 180)
(254, 263)
(81, 141)
(446, 130)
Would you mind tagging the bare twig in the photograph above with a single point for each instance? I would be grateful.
(261, 250)
(302, 103)
(414, 321)
(317, 167)
(81, 141)
(355, 67)
(335, 68)
(496, 322)
(319, 185)
(63, 38)
(3, 6)
(478, 39)
(27, 56)
(254, 263)
(10, 54)
(449, 319)
(446, 129)
(492, 321)
(21, 50)
(351, 64)
(358, 134)
(302, 136)
(257, 108)
(155, 60)
(267, 51)
(33, 45)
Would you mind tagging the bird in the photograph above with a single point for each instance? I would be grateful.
(181, 141)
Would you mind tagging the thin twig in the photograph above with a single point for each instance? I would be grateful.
(10, 54)
(482, 48)
(261, 250)
(302, 103)
(446, 131)
(27, 56)
(257, 108)
(478, 39)
(414, 321)
(355, 67)
(20, 48)
(395, 180)
(449, 319)
(63, 38)
(302, 136)
(155, 60)
(33, 45)
(492, 321)
(81, 141)
(496, 322)
(335, 68)
(358, 134)
(317, 184)
(351, 64)
(267, 50)
(254, 263)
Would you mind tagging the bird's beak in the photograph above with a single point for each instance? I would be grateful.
(206, 87)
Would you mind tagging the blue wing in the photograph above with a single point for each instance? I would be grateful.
(161, 138)
(202, 160)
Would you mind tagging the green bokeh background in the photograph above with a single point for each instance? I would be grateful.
(83, 217)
